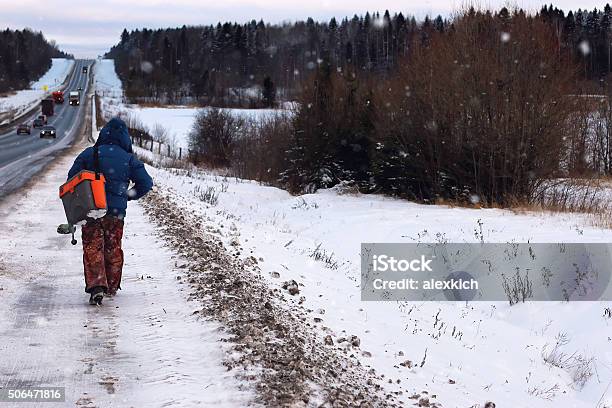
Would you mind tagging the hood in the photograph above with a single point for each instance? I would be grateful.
(115, 132)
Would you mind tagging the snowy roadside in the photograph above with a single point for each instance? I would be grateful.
(142, 348)
(17, 104)
(451, 353)
(268, 334)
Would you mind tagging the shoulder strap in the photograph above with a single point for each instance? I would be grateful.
(96, 157)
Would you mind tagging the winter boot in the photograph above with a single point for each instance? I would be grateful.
(97, 294)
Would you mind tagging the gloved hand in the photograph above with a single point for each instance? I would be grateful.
(65, 229)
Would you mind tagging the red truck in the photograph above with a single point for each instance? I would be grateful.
(47, 107)
(58, 96)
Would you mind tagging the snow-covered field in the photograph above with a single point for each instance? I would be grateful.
(475, 352)
(176, 120)
(15, 105)
(179, 120)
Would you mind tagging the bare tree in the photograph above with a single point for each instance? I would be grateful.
(213, 135)
(482, 110)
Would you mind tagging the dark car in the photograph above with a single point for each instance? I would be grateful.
(43, 118)
(24, 128)
(38, 123)
(48, 131)
(80, 88)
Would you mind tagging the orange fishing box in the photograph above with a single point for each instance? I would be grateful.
(84, 196)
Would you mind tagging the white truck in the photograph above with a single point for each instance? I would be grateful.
(74, 98)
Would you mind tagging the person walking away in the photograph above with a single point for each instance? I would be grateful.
(102, 253)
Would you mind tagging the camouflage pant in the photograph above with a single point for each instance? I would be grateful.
(102, 253)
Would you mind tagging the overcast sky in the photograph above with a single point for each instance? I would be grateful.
(88, 28)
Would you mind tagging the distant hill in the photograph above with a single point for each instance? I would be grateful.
(25, 56)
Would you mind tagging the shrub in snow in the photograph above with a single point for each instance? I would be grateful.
(579, 367)
(208, 194)
(260, 154)
(332, 129)
(213, 135)
(319, 254)
(517, 288)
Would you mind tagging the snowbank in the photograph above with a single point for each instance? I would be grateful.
(471, 353)
(14, 106)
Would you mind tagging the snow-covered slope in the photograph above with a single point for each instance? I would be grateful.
(107, 83)
(15, 105)
(472, 353)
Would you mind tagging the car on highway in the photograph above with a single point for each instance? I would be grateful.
(24, 128)
(74, 98)
(38, 123)
(48, 131)
(43, 118)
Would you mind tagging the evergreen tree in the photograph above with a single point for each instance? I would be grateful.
(269, 93)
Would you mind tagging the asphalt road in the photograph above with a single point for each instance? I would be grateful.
(22, 156)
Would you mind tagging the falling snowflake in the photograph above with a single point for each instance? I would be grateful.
(146, 67)
(505, 37)
(379, 23)
(584, 47)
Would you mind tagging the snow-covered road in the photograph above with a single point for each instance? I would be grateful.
(142, 348)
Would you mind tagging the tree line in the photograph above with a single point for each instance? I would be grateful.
(484, 111)
(25, 56)
(587, 34)
(222, 64)
(214, 64)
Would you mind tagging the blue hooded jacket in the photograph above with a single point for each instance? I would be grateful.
(118, 165)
